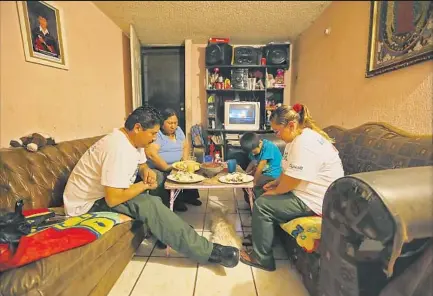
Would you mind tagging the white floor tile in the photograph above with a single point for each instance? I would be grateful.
(193, 219)
(216, 280)
(145, 247)
(282, 282)
(229, 205)
(221, 194)
(167, 276)
(129, 276)
(246, 219)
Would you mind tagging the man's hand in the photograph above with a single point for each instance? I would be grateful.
(149, 176)
(151, 186)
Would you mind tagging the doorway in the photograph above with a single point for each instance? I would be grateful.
(164, 79)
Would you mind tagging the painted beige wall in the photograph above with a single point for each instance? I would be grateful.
(87, 100)
(330, 74)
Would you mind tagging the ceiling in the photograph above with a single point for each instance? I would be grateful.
(244, 22)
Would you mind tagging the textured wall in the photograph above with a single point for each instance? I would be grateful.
(329, 76)
(86, 100)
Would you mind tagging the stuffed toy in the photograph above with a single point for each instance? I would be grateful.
(33, 142)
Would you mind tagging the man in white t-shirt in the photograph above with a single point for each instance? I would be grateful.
(103, 180)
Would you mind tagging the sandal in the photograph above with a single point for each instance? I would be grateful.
(248, 259)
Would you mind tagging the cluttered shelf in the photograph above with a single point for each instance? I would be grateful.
(221, 130)
(283, 66)
(233, 90)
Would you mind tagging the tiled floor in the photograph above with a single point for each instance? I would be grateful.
(151, 273)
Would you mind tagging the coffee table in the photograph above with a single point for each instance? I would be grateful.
(209, 183)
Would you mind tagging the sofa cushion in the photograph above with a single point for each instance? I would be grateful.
(306, 231)
(44, 241)
(38, 177)
(44, 274)
(379, 146)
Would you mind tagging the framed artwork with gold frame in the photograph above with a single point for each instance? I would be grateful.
(401, 34)
(42, 32)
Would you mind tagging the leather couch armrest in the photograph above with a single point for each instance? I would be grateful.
(390, 206)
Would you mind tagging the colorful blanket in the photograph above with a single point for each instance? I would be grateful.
(306, 231)
(44, 241)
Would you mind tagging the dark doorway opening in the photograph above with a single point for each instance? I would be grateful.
(164, 79)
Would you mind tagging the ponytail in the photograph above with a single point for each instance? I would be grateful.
(285, 114)
(305, 120)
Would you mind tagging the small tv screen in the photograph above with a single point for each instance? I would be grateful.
(242, 114)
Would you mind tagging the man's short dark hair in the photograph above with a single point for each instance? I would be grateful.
(249, 141)
(146, 116)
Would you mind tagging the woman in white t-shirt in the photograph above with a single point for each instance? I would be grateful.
(310, 164)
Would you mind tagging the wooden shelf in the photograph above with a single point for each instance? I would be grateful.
(235, 66)
(284, 66)
(221, 130)
(233, 90)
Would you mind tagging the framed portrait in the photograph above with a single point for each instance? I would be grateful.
(43, 34)
(401, 34)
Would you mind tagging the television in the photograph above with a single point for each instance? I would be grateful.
(242, 115)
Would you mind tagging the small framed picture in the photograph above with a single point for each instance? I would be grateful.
(42, 31)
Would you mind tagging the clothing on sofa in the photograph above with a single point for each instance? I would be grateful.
(315, 161)
(272, 155)
(112, 161)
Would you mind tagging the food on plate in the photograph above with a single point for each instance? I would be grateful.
(182, 176)
(183, 165)
(236, 178)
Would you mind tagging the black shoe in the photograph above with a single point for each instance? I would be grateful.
(194, 202)
(160, 245)
(224, 255)
(180, 206)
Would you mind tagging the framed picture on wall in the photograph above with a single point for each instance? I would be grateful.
(43, 34)
(401, 34)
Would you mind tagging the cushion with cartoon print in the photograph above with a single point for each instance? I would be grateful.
(306, 231)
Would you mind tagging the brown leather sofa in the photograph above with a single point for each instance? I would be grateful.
(40, 178)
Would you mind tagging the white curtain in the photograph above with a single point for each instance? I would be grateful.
(135, 45)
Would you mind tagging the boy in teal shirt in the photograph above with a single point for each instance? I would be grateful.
(265, 159)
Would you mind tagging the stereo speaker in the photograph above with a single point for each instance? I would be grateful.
(247, 55)
(277, 54)
(218, 54)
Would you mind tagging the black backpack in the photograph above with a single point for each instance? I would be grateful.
(14, 225)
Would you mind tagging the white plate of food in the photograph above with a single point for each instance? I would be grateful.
(236, 178)
(183, 165)
(185, 177)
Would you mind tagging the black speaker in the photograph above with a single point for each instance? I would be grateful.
(219, 54)
(277, 54)
(247, 55)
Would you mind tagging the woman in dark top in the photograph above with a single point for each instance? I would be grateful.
(169, 147)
